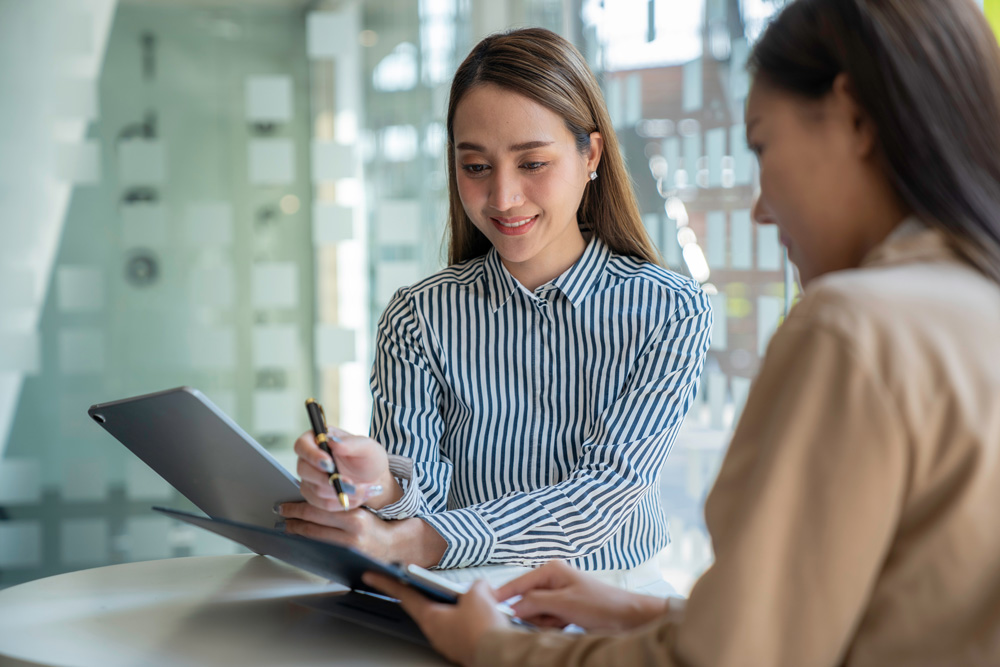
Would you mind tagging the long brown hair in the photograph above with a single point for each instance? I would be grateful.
(545, 68)
(927, 72)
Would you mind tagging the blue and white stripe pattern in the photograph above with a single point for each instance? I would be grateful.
(537, 423)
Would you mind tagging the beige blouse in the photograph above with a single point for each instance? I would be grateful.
(856, 517)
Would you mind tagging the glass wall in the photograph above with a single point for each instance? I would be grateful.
(181, 256)
(226, 195)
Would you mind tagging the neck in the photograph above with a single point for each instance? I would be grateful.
(884, 217)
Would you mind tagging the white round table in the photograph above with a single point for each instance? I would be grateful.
(219, 610)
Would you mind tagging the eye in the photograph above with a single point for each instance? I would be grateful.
(533, 166)
(475, 169)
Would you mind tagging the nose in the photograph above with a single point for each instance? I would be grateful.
(759, 211)
(505, 192)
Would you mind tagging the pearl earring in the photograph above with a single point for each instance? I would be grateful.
(593, 175)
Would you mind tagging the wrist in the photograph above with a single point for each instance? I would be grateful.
(641, 609)
(391, 491)
(417, 542)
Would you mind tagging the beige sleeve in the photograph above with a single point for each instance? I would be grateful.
(801, 516)
(646, 646)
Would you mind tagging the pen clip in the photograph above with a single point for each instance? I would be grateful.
(322, 417)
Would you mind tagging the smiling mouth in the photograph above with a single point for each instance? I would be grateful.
(513, 223)
(518, 226)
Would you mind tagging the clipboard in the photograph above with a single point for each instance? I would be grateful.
(361, 605)
(335, 562)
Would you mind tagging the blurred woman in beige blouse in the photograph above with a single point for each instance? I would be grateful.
(856, 517)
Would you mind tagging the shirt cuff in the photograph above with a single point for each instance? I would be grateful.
(401, 467)
(470, 539)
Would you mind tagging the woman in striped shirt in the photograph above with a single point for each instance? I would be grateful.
(525, 397)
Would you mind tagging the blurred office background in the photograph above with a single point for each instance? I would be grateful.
(226, 193)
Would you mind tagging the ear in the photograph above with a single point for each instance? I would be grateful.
(864, 137)
(595, 151)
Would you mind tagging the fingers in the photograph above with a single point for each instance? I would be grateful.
(340, 442)
(414, 603)
(352, 522)
(479, 593)
(481, 590)
(365, 459)
(339, 433)
(307, 450)
(545, 621)
(544, 604)
(347, 445)
(315, 531)
(354, 457)
(554, 574)
(322, 495)
(357, 458)
(309, 473)
(454, 631)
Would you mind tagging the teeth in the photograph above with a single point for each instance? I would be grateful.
(514, 225)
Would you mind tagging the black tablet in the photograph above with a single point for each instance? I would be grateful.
(202, 453)
(331, 561)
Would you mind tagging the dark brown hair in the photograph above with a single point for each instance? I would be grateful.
(927, 72)
(545, 68)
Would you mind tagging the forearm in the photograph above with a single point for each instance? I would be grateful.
(573, 519)
(535, 527)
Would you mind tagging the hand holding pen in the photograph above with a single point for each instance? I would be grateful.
(366, 483)
(318, 421)
(362, 464)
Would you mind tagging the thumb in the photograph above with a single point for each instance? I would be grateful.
(481, 588)
(540, 578)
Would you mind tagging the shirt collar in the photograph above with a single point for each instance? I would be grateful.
(579, 280)
(499, 284)
(576, 283)
(911, 240)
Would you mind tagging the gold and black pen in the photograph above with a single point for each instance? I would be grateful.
(318, 421)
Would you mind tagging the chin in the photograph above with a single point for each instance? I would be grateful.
(807, 275)
(515, 255)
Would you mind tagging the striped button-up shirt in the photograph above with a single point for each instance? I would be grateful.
(526, 426)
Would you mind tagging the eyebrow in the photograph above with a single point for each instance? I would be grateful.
(526, 146)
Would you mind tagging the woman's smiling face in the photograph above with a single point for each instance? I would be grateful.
(521, 178)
